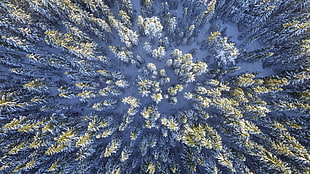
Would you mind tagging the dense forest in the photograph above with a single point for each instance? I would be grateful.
(155, 86)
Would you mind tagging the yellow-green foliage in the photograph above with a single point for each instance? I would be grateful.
(14, 124)
(210, 8)
(157, 97)
(245, 80)
(214, 35)
(195, 136)
(260, 110)
(29, 127)
(35, 84)
(125, 155)
(106, 133)
(86, 94)
(55, 149)
(227, 106)
(273, 161)
(262, 89)
(65, 137)
(223, 160)
(132, 101)
(5, 102)
(276, 82)
(71, 41)
(17, 148)
(37, 142)
(171, 124)
(112, 148)
(83, 140)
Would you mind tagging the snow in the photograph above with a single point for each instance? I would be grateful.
(193, 40)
